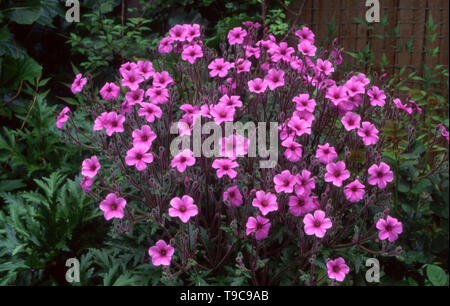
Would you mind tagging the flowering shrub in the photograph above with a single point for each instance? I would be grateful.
(326, 201)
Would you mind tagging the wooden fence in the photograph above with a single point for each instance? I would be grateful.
(409, 16)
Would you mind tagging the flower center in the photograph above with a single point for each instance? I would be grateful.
(336, 269)
(182, 208)
(337, 174)
(317, 224)
(113, 206)
(163, 252)
(264, 203)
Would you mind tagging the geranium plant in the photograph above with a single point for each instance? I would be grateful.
(303, 218)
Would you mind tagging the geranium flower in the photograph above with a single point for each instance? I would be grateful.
(316, 225)
(113, 123)
(354, 192)
(135, 96)
(260, 226)
(233, 196)
(62, 117)
(377, 96)
(86, 183)
(145, 68)
(305, 34)
(234, 146)
(162, 79)
(192, 31)
(113, 206)
(274, 78)
(219, 67)
(157, 95)
(165, 45)
(293, 150)
(304, 103)
(266, 202)
(183, 208)
(225, 167)
(242, 65)
(132, 79)
(90, 166)
(325, 67)
(143, 137)
(305, 183)
(369, 133)
(300, 126)
(351, 121)
(389, 228)
(284, 182)
(161, 253)
(178, 32)
(150, 111)
(336, 173)
(222, 113)
(233, 101)
(191, 53)
(354, 87)
(78, 83)
(139, 157)
(337, 269)
(257, 85)
(337, 94)
(300, 205)
(182, 160)
(236, 36)
(380, 175)
(307, 48)
(325, 153)
(109, 91)
(127, 67)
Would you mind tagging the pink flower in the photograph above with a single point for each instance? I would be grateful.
(281, 52)
(377, 96)
(150, 111)
(337, 269)
(233, 146)
(157, 95)
(337, 94)
(300, 126)
(304, 103)
(134, 97)
(266, 202)
(161, 253)
(257, 85)
(233, 195)
(398, 104)
(354, 87)
(236, 36)
(113, 123)
(162, 79)
(183, 208)
(242, 65)
(178, 32)
(219, 67)
(336, 173)
(86, 183)
(354, 192)
(380, 175)
(127, 67)
(132, 79)
(145, 68)
(260, 226)
(250, 51)
(293, 150)
(109, 91)
(225, 167)
(90, 167)
(316, 225)
(369, 133)
(222, 113)
(192, 31)
(325, 67)
(78, 83)
(233, 101)
(389, 229)
(305, 34)
(351, 121)
(305, 183)
(307, 48)
(165, 45)
(62, 117)
(274, 78)
(284, 182)
(138, 156)
(100, 122)
(183, 159)
(143, 137)
(300, 205)
(113, 206)
(191, 53)
(325, 153)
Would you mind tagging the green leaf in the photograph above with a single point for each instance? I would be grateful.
(25, 12)
(437, 275)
